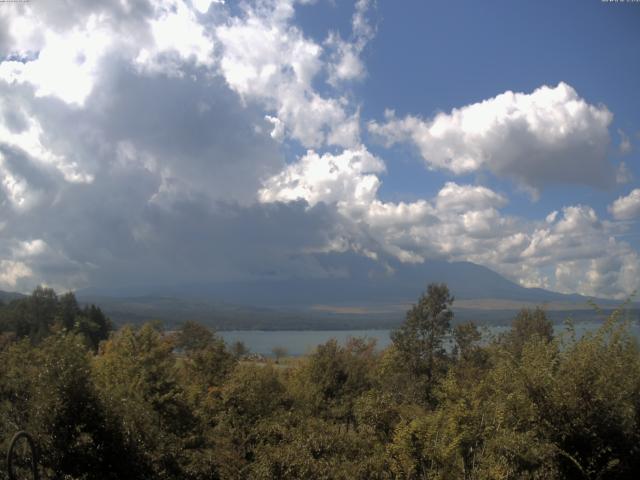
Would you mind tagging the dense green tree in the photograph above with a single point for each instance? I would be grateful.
(44, 313)
(48, 390)
(66, 311)
(93, 324)
(378, 412)
(527, 324)
(207, 357)
(239, 349)
(329, 381)
(33, 316)
(137, 380)
(544, 413)
(279, 352)
(296, 447)
(592, 411)
(151, 404)
(466, 337)
(419, 340)
(193, 336)
(251, 395)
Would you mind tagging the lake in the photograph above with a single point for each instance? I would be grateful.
(301, 342)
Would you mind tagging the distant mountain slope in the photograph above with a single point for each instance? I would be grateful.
(8, 296)
(364, 280)
(368, 295)
(173, 311)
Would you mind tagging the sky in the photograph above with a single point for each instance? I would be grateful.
(165, 142)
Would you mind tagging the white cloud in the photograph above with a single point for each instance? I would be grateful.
(623, 174)
(389, 214)
(15, 188)
(12, 271)
(176, 30)
(89, 184)
(361, 26)
(347, 179)
(548, 136)
(278, 131)
(266, 59)
(262, 51)
(25, 33)
(614, 275)
(29, 138)
(150, 166)
(625, 146)
(567, 238)
(579, 250)
(66, 65)
(30, 248)
(570, 250)
(202, 6)
(346, 63)
(60, 57)
(627, 207)
(466, 197)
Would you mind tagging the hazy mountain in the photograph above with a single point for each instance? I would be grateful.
(364, 294)
(357, 280)
(361, 293)
(8, 296)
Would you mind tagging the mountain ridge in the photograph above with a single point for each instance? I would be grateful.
(363, 282)
(368, 294)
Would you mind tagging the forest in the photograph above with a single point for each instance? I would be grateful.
(145, 403)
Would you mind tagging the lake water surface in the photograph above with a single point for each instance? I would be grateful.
(305, 341)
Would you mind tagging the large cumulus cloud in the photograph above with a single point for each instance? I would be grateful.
(571, 250)
(550, 135)
(132, 155)
(266, 58)
(626, 207)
